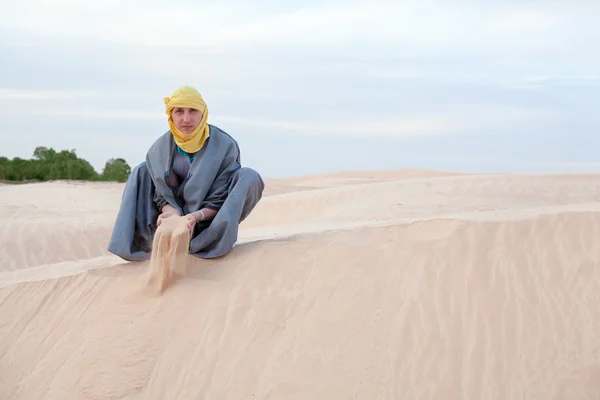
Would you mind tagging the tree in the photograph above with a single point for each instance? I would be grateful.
(47, 164)
(6, 169)
(44, 154)
(21, 169)
(116, 170)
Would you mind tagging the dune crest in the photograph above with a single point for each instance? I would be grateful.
(434, 287)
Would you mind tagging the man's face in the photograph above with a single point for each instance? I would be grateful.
(186, 119)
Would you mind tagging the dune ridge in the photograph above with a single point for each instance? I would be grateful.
(449, 286)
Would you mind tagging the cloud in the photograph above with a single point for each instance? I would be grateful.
(36, 95)
(268, 46)
(456, 119)
(92, 75)
(413, 29)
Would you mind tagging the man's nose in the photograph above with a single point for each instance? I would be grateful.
(186, 116)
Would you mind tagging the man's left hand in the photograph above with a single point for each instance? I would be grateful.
(193, 218)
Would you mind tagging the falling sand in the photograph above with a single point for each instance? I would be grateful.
(169, 252)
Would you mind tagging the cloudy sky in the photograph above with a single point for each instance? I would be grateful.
(314, 87)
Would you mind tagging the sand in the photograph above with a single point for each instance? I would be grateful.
(360, 285)
(169, 255)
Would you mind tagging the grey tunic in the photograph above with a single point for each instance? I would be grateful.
(215, 180)
(181, 165)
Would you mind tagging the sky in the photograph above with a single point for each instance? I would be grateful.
(311, 87)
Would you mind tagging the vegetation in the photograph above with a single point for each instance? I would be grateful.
(47, 164)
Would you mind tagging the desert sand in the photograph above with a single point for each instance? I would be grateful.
(365, 285)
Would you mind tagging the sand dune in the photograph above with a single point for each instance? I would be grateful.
(397, 285)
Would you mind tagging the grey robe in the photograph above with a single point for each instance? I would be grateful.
(215, 180)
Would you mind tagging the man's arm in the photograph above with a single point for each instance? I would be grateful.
(167, 208)
(206, 214)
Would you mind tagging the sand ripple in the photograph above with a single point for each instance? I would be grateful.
(494, 307)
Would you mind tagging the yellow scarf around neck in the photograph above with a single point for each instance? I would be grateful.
(187, 96)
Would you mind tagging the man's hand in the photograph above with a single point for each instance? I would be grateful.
(167, 211)
(192, 219)
(206, 214)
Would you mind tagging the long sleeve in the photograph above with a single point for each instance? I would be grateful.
(159, 200)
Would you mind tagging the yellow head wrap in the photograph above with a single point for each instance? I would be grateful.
(187, 96)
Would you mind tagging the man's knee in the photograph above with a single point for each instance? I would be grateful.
(140, 168)
(139, 171)
(251, 176)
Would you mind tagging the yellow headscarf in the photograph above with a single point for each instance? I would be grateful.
(187, 96)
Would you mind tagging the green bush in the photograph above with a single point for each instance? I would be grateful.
(47, 165)
(116, 170)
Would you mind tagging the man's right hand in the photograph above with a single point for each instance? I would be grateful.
(167, 211)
